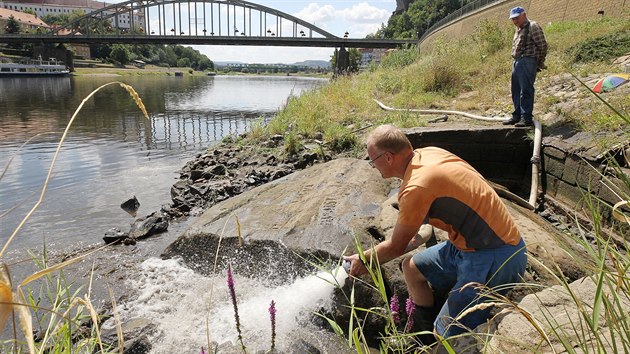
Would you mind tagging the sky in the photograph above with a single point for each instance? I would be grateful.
(358, 18)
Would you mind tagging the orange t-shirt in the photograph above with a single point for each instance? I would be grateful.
(443, 190)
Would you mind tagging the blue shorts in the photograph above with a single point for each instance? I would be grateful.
(449, 269)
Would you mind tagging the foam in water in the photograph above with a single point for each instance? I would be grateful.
(178, 301)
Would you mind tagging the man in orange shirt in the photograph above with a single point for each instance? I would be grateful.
(484, 245)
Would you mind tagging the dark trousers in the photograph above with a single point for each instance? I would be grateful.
(523, 78)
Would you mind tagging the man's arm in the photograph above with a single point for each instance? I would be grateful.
(386, 250)
(538, 37)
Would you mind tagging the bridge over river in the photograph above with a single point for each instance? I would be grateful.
(205, 22)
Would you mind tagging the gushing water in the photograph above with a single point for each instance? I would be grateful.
(178, 301)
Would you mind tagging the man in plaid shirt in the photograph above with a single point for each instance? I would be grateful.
(529, 49)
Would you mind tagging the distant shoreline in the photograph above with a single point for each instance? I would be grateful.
(129, 70)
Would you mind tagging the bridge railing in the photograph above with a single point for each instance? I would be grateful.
(461, 12)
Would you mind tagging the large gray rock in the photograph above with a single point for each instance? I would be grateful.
(556, 311)
(318, 209)
(309, 215)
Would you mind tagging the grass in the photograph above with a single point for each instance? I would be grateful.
(339, 111)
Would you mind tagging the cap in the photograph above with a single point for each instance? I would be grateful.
(515, 12)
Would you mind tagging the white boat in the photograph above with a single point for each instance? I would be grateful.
(33, 67)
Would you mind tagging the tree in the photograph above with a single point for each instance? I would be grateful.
(120, 54)
(62, 19)
(420, 15)
(205, 64)
(183, 62)
(13, 27)
(30, 11)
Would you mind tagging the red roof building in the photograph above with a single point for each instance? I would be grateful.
(27, 22)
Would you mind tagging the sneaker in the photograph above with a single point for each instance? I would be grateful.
(524, 123)
(511, 121)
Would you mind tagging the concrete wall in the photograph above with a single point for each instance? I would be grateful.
(541, 11)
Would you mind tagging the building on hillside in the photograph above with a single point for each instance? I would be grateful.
(61, 7)
(27, 22)
(371, 55)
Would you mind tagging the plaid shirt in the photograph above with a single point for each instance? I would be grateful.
(535, 45)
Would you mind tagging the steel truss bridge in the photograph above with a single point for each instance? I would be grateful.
(205, 22)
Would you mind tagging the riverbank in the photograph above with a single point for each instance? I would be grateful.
(109, 70)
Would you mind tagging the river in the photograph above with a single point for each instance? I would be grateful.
(112, 152)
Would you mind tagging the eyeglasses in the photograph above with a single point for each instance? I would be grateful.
(371, 162)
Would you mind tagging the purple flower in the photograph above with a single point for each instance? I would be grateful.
(394, 305)
(203, 351)
(410, 307)
(230, 283)
(272, 315)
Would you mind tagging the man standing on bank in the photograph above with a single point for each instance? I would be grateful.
(484, 245)
(529, 50)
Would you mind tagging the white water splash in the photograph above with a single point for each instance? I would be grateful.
(178, 301)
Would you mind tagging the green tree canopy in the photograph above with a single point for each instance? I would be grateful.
(62, 19)
(420, 15)
(30, 12)
(157, 54)
(13, 26)
(120, 54)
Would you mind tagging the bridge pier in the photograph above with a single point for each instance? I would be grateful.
(342, 62)
(59, 52)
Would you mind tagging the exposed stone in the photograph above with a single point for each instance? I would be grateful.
(315, 212)
(179, 189)
(148, 226)
(196, 174)
(556, 311)
(114, 235)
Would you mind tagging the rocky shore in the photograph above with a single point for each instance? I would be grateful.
(216, 175)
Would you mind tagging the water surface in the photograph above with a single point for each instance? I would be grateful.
(112, 152)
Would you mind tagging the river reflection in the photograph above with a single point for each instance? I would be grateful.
(112, 152)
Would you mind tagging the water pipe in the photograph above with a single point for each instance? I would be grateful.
(440, 111)
(535, 160)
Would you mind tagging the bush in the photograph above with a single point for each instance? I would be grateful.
(489, 37)
(601, 48)
(400, 58)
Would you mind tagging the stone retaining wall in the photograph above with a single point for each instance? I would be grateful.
(541, 11)
(571, 176)
(501, 155)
